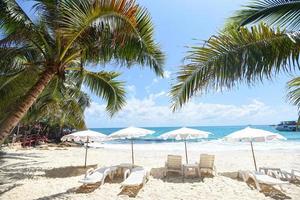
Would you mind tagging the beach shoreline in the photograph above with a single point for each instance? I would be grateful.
(23, 172)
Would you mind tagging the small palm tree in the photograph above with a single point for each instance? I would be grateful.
(240, 54)
(65, 38)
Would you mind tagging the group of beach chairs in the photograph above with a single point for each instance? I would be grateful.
(206, 164)
(134, 176)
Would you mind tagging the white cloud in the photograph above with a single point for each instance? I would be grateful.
(167, 74)
(131, 90)
(147, 112)
(156, 95)
(155, 80)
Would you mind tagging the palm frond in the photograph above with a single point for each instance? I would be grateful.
(232, 57)
(283, 13)
(294, 91)
(111, 30)
(79, 15)
(104, 85)
(13, 17)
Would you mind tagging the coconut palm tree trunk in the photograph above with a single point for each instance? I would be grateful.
(21, 108)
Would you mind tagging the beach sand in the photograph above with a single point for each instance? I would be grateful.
(48, 174)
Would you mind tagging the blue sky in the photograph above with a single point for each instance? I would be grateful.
(177, 24)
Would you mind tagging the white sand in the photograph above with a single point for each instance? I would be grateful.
(22, 172)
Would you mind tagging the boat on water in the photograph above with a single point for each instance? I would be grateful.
(287, 126)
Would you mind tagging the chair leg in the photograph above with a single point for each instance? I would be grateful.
(103, 179)
(257, 186)
(281, 188)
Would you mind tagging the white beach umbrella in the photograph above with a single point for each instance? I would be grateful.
(82, 136)
(85, 136)
(253, 135)
(185, 134)
(131, 133)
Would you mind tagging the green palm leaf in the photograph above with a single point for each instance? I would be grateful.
(104, 85)
(233, 57)
(284, 13)
(294, 91)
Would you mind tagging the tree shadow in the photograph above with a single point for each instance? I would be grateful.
(24, 168)
(8, 188)
(18, 156)
(50, 197)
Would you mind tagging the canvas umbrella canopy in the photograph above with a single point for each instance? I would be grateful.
(253, 135)
(185, 134)
(85, 136)
(131, 133)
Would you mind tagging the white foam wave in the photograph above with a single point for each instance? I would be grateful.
(212, 146)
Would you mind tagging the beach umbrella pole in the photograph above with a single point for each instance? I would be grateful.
(86, 149)
(186, 156)
(253, 156)
(132, 156)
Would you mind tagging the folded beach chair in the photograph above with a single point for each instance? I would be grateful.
(98, 175)
(207, 164)
(173, 164)
(135, 177)
(261, 178)
(274, 172)
(292, 176)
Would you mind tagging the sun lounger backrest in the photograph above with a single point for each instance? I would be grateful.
(206, 161)
(174, 162)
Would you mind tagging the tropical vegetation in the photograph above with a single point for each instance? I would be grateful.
(258, 42)
(50, 57)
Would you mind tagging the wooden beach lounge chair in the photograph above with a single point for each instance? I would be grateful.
(206, 164)
(261, 178)
(135, 177)
(98, 175)
(173, 164)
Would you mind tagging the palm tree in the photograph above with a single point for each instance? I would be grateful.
(61, 104)
(240, 54)
(66, 39)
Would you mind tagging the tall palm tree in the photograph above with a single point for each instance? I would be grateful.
(243, 54)
(68, 36)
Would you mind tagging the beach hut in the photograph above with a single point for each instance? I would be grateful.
(131, 133)
(85, 136)
(253, 135)
(185, 134)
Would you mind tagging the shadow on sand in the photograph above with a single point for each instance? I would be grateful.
(50, 197)
(267, 190)
(23, 168)
(157, 173)
(64, 172)
(8, 187)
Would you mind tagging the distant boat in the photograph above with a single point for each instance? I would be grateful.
(287, 126)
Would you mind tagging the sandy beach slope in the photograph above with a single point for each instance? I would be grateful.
(46, 174)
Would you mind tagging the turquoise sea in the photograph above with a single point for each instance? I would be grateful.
(218, 132)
